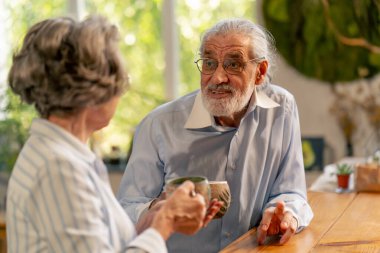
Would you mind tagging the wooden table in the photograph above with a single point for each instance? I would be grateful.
(3, 234)
(342, 223)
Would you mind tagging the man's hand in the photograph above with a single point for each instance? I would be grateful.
(212, 210)
(276, 221)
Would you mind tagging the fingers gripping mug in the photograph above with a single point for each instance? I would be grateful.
(201, 186)
(221, 191)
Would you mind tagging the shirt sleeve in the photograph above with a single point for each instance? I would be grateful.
(149, 241)
(290, 184)
(143, 178)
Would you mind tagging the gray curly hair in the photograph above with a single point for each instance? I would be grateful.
(65, 65)
(262, 41)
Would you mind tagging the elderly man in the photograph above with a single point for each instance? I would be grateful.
(238, 128)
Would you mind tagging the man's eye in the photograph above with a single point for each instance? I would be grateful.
(209, 64)
(233, 64)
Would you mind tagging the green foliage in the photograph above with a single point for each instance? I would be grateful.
(18, 111)
(343, 169)
(18, 116)
(24, 13)
(12, 137)
(308, 42)
(13, 130)
(141, 44)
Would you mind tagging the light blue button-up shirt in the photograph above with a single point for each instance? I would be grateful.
(261, 160)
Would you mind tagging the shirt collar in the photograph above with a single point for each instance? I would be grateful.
(62, 137)
(201, 118)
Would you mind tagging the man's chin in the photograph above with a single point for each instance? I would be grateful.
(217, 113)
(218, 109)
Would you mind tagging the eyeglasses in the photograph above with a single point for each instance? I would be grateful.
(232, 66)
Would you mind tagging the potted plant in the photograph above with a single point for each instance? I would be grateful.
(343, 172)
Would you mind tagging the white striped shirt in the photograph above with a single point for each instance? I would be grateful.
(59, 200)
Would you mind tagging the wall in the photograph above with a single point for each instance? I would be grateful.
(313, 99)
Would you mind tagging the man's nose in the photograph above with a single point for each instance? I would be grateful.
(220, 75)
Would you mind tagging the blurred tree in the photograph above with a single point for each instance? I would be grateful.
(330, 40)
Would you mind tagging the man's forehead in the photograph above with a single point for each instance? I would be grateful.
(236, 46)
(231, 52)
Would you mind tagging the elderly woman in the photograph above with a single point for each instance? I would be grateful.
(59, 197)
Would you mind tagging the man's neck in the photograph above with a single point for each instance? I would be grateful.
(233, 120)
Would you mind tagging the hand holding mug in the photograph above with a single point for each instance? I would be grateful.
(221, 192)
(201, 188)
(182, 211)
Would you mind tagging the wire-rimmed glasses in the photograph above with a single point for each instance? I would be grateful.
(232, 66)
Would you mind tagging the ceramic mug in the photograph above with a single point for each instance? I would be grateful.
(221, 191)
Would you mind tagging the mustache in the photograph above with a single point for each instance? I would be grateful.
(216, 87)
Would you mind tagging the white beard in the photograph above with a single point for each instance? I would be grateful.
(226, 106)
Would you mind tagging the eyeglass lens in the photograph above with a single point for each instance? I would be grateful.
(231, 66)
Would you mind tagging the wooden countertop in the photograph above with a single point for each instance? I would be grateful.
(2, 225)
(342, 223)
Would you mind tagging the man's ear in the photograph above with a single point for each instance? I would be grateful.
(261, 71)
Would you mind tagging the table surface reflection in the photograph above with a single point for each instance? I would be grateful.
(342, 223)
